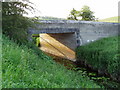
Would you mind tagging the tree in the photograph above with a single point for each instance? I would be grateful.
(85, 14)
(73, 15)
(14, 24)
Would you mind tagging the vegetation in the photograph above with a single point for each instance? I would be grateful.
(73, 15)
(102, 55)
(23, 68)
(14, 24)
(111, 19)
(85, 14)
(36, 39)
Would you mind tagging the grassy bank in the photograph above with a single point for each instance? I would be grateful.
(23, 68)
(102, 55)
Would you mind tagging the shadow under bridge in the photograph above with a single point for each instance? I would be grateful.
(60, 42)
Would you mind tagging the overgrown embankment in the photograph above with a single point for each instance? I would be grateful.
(22, 67)
(102, 55)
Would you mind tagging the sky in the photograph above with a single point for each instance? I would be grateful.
(61, 8)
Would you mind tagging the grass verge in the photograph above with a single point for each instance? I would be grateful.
(22, 68)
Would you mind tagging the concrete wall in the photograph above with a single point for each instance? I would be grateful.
(59, 44)
(88, 30)
(66, 36)
(67, 39)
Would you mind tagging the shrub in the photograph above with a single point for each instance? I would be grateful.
(14, 24)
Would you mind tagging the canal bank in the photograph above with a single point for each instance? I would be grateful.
(101, 79)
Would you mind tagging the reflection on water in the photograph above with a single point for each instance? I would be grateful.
(51, 45)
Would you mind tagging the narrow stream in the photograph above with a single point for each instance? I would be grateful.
(65, 56)
(102, 80)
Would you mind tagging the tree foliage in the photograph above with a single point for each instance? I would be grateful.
(73, 14)
(85, 14)
(14, 24)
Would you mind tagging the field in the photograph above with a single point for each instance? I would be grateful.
(111, 19)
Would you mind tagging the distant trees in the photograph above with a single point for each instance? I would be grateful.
(84, 14)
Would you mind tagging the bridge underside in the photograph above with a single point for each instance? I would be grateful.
(61, 45)
(58, 43)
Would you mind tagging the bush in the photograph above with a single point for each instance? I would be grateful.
(14, 24)
(102, 55)
(36, 40)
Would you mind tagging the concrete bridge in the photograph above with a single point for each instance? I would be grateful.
(68, 36)
(75, 33)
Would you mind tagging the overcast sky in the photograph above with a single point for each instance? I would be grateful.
(61, 8)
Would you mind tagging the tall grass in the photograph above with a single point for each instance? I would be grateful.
(22, 68)
(102, 55)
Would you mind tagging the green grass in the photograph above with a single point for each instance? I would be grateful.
(102, 55)
(111, 19)
(23, 68)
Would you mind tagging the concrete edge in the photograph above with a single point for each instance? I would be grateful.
(73, 21)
